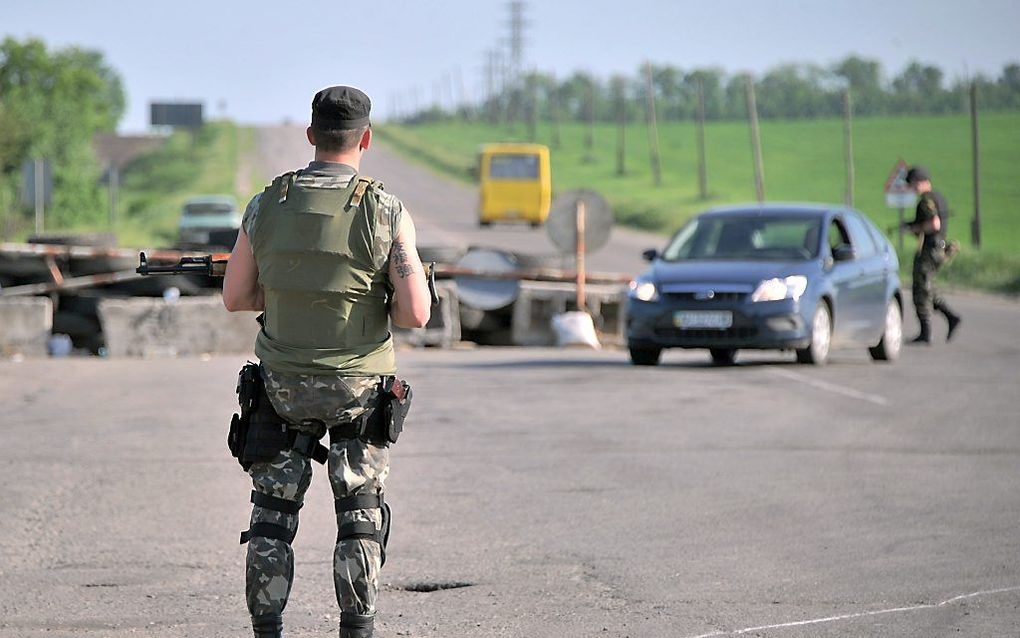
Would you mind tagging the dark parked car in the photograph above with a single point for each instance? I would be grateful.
(803, 277)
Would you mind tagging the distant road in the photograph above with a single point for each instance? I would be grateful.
(444, 209)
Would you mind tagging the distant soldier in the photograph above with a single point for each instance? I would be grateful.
(330, 259)
(930, 224)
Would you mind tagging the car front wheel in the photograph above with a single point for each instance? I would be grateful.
(817, 353)
(642, 357)
(888, 349)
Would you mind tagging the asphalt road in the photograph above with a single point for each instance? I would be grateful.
(571, 494)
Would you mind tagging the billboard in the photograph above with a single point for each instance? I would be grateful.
(175, 114)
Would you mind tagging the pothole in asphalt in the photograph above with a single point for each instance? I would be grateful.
(431, 586)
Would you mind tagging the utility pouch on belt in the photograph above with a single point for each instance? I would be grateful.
(394, 403)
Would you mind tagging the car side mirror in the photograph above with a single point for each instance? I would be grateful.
(844, 252)
(650, 255)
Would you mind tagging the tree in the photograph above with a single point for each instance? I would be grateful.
(864, 79)
(58, 100)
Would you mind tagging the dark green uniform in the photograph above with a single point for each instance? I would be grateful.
(928, 260)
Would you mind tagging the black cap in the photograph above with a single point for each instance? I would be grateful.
(340, 108)
(917, 174)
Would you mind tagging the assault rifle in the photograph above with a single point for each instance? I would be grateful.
(215, 265)
(211, 265)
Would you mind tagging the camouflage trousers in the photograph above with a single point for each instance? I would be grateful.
(313, 404)
(926, 297)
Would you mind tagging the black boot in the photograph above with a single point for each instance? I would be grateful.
(951, 317)
(356, 625)
(267, 626)
(924, 337)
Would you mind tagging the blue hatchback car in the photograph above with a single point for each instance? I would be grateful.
(803, 277)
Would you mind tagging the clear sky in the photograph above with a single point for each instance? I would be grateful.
(259, 61)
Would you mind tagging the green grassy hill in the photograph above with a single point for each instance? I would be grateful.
(803, 162)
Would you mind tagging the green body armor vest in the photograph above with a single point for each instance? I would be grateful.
(322, 248)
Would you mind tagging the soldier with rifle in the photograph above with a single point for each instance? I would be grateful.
(930, 225)
(329, 258)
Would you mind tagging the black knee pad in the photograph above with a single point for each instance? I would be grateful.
(272, 530)
(365, 529)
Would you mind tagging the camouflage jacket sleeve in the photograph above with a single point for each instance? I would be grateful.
(391, 210)
(251, 211)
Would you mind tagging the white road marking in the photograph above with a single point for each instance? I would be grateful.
(832, 387)
(863, 614)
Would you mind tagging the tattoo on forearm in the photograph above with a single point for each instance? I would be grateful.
(399, 256)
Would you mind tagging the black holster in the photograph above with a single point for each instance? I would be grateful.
(383, 421)
(258, 433)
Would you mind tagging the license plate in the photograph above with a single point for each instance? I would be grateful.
(714, 320)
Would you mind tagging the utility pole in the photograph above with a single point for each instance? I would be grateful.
(975, 228)
(619, 89)
(653, 131)
(752, 115)
(702, 161)
(848, 147)
(515, 57)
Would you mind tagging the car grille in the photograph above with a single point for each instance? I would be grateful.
(718, 297)
(705, 335)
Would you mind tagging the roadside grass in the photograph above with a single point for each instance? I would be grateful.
(154, 187)
(803, 162)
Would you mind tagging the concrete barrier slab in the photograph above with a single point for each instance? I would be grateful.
(539, 302)
(25, 325)
(149, 327)
(443, 329)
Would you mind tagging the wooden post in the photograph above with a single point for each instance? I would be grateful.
(653, 131)
(589, 138)
(40, 193)
(702, 161)
(579, 256)
(554, 112)
(848, 147)
(114, 186)
(532, 109)
(899, 231)
(752, 115)
(621, 136)
(975, 228)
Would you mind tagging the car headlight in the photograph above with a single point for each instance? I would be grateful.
(776, 289)
(643, 290)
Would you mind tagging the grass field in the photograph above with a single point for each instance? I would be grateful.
(803, 162)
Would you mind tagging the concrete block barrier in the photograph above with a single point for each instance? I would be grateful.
(188, 326)
(443, 329)
(25, 325)
(539, 302)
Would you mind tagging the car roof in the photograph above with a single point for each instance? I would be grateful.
(212, 199)
(785, 209)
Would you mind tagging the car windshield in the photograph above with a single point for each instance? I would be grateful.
(208, 208)
(753, 237)
(506, 166)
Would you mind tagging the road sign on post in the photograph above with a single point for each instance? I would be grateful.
(899, 195)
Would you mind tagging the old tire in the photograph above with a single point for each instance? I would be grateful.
(888, 349)
(817, 352)
(645, 357)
